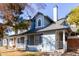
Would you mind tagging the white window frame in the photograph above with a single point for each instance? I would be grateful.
(42, 22)
(37, 23)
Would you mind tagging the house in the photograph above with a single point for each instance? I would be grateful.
(44, 34)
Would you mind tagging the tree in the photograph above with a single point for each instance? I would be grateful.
(12, 11)
(73, 16)
(1, 30)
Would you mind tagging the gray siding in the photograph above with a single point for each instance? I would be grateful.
(46, 22)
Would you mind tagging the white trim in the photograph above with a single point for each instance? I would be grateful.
(37, 23)
(25, 43)
(56, 41)
(42, 22)
(64, 42)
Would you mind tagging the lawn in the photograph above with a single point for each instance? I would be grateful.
(16, 52)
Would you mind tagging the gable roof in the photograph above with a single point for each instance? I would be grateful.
(60, 21)
(39, 13)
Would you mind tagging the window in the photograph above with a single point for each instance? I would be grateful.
(21, 40)
(37, 40)
(39, 22)
(34, 40)
(30, 40)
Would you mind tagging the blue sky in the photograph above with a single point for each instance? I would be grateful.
(63, 9)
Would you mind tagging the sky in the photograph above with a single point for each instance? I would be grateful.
(63, 9)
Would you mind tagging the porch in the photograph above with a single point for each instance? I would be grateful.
(61, 39)
(15, 42)
(45, 41)
(34, 42)
(30, 42)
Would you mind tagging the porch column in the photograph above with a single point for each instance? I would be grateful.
(7, 41)
(64, 42)
(25, 42)
(57, 40)
(14, 41)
